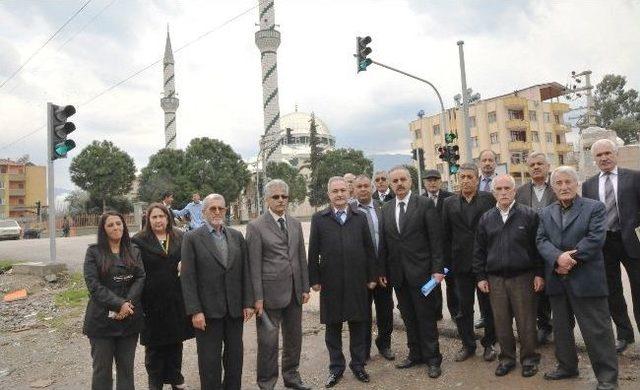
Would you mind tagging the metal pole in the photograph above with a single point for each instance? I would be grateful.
(50, 189)
(466, 136)
(419, 174)
(590, 114)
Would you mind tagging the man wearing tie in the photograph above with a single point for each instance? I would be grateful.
(488, 163)
(434, 191)
(412, 255)
(342, 268)
(280, 279)
(619, 190)
(382, 296)
(383, 193)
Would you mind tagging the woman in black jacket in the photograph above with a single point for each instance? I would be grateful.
(114, 275)
(166, 324)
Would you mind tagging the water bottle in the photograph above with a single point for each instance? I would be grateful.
(431, 284)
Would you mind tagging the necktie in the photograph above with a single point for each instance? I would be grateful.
(434, 198)
(372, 229)
(283, 227)
(402, 216)
(613, 219)
(487, 182)
(339, 215)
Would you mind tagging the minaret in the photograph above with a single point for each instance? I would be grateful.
(169, 102)
(268, 40)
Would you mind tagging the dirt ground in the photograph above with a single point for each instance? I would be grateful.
(41, 345)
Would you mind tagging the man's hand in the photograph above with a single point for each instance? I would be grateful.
(383, 281)
(483, 285)
(562, 271)
(538, 284)
(259, 305)
(565, 260)
(247, 313)
(198, 321)
(315, 287)
(438, 277)
(371, 285)
(305, 298)
(125, 310)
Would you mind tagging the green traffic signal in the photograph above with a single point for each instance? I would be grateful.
(362, 51)
(450, 137)
(454, 168)
(63, 148)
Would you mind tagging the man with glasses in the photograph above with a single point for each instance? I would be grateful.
(383, 192)
(280, 285)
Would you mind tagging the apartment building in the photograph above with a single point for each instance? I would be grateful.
(21, 186)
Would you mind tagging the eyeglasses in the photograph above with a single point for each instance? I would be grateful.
(217, 209)
(379, 179)
(277, 197)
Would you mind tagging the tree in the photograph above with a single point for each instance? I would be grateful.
(336, 163)
(317, 190)
(212, 166)
(414, 176)
(617, 107)
(164, 173)
(103, 170)
(291, 176)
(77, 202)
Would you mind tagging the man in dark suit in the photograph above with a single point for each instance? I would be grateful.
(281, 286)
(412, 255)
(383, 193)
(460, 216)
(538, 194)
(342, 267)
(433, 190)
(218, 294)
(570, 238)
(619, 190)
(381, 296)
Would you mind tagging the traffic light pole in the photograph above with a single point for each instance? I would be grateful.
(51, 210)
(465, 106)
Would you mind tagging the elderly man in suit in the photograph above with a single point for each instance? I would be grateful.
(412, 255)
(433, 190)
(570, 238)
(383, 192)
(218, 295)
(619, 189)
(460, 215)
(280, 285)
(382, 296)
(342, 268)
(538, 194)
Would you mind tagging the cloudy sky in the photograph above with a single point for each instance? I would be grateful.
(508, 45)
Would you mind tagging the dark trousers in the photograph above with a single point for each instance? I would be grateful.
(290, 319)
(420, 317)
(544, 311)
(514, 298)
(225, 331)
(466, 289)
(452, 298)
(614, 254)
(333, 340)
(103, 352)
(592, 315)
(383, 299)
(164, 365)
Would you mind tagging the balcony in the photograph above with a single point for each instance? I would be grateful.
(518, 168)
(514, 102)
(516, 124)
(519, 145)
(17, 192)
(559, 107)
(564, 148)
(560, 128)
(17, 177)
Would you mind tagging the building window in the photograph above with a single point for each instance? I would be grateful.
(516, 114)
(436, 129)
(546, 117)
(492, 117)
(474, 142)
(418, 134)
(494, 137)
(558, 139)
(556, 118)
(519, 157)
(536, 136)
(533, 116)
(472, 121)
(549, 137)
(21, 201)
(518, 136)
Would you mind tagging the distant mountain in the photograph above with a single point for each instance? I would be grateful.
(60, 191)
(388, 161)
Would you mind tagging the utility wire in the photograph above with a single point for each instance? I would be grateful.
(45, 43)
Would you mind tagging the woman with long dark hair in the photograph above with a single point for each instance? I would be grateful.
(114, 275)
(166, 324)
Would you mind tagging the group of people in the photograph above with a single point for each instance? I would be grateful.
(539, 251)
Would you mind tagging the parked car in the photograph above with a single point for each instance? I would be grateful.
(31, 233)
(9, 228)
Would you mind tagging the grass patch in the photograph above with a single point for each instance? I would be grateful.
(6, 265)
(75, 295)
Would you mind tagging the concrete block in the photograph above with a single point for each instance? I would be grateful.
(38, 268)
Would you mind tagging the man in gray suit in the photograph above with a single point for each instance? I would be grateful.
(217, 290)
(280, 279)
(570, 238)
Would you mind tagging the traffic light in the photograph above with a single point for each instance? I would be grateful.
(450, 137)
(421, 159)
(454, 156)
(362, 51)
(59, 129)
(442, 153)
(38, 208)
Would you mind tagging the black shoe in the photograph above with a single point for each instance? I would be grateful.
(361, 375)
(543, 336)
(479, 324)
(387, 353)
(489, 354)
(529, 370)
(504, 368)
(407, 363)
(332, 380)
(298, 386)
(559, 373)
(434, 371)
(464, 354)
(621, 345)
